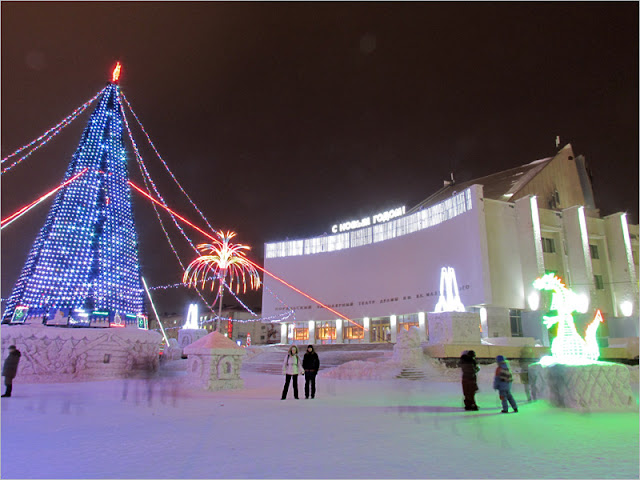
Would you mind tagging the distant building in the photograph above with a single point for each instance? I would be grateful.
(237, 325)
(494, 236)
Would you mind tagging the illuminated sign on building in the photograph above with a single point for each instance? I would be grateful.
(389, 229)
(368, 221)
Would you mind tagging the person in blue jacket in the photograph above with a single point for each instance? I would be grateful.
(502, 382)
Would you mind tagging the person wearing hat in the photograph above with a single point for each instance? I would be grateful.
(10, 368)
(310, 365)
(502, 382)
(470, 369)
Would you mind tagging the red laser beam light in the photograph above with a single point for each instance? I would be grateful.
(275, 277)
(6, 221)
(173, 213)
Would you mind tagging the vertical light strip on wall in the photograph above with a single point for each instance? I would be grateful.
(627, 245)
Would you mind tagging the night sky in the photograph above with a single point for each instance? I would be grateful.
(281, 119)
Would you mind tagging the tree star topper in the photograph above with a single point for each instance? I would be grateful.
(116, 73)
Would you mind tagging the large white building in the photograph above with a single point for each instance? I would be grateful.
(494, 236)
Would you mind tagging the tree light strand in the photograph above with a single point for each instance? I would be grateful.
(165, 164)
(146, 177)
(49, 134)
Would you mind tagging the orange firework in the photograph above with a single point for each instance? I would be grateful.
(219, 261)
(222, 260)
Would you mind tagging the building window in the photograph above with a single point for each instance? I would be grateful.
(301, 334)
(408, 321)
(548, 245)
(326, 333)
(353, 333)
(515, 316)
(594, 252)
(599, 282)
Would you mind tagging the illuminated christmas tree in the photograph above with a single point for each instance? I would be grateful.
(84, 261)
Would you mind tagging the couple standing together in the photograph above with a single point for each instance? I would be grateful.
(293, 367)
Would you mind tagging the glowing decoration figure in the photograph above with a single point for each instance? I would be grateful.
(117, 321)
(568, 347)
(20, 314)
(192, 317)
(221, 260)
(116, 73)
(143, 322)
(449, 300)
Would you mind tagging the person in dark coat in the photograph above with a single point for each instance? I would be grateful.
(470, 370)
(311, 365)
(10, 368)
(292, 367)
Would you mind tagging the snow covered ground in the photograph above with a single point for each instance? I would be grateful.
(354, 428)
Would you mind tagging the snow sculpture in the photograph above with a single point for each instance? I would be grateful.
(188, 336)
(172, 351)
(67, 354)
(214, 363)
(408, 351)
(190, 332)
(449, 323)
(454, 328)
(599, 386)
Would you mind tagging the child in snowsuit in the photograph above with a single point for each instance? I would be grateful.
(470, 370)
(10, 368)
(502, 382)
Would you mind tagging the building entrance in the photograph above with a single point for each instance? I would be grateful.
(380, 330)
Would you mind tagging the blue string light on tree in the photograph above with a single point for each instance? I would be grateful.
(85, 257)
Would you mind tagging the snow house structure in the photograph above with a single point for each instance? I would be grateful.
(474, 247)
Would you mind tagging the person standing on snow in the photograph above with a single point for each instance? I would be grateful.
(470, 370)
(502, 382)
(291, 368)
(311, 365)
(10, 368)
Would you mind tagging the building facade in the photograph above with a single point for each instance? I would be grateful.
(481, 243)
(238, 325)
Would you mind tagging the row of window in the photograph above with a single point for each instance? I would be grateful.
(549, 246)
(423, 219)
